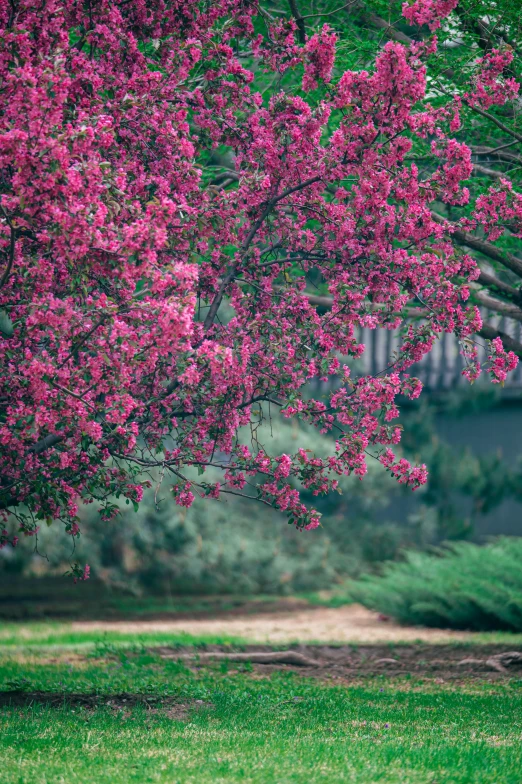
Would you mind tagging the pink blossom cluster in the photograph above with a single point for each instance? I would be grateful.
(428, 12)
(500, 204)
(501, 361)
(491, 87)
(183, 494)
(6, 539)
(319, 58)
(403, 471)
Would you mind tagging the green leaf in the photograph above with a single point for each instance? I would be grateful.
(6, 325)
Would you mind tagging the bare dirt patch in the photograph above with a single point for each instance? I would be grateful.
(169, 706)
(71, 659)
(346, 663)
(349, 624)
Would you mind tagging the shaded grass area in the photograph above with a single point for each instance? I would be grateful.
(45, 598)
(25, 599)
(114, 720)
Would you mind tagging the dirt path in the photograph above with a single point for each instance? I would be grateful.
(352, 623)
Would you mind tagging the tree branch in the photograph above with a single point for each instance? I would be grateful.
(496, 122)
(46, 443)
(498, 152)
(299, 20)
(506, 308)
(497, 175)
(331, 13)
(389, 29)
(495, 283)
(482, 246)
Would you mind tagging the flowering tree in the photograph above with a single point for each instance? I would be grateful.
(124, 242)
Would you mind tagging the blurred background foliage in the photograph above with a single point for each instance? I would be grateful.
(240, 546)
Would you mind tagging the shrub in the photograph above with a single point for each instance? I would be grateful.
(462, 586)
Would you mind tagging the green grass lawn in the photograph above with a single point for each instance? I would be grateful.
(276, 728)
(29, 636)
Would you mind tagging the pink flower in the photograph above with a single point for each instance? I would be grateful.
(319, 58)
(428, 12)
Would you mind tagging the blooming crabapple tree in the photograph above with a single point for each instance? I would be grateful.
(118, 257)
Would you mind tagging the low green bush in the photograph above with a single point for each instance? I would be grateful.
(462, 586)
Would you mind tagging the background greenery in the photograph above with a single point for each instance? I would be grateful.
(240, 546)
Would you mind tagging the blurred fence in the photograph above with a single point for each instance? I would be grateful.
(439, 370)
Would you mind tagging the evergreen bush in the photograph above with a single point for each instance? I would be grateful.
(460, 586)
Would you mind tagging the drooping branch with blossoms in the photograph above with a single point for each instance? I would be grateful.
(147, 314)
